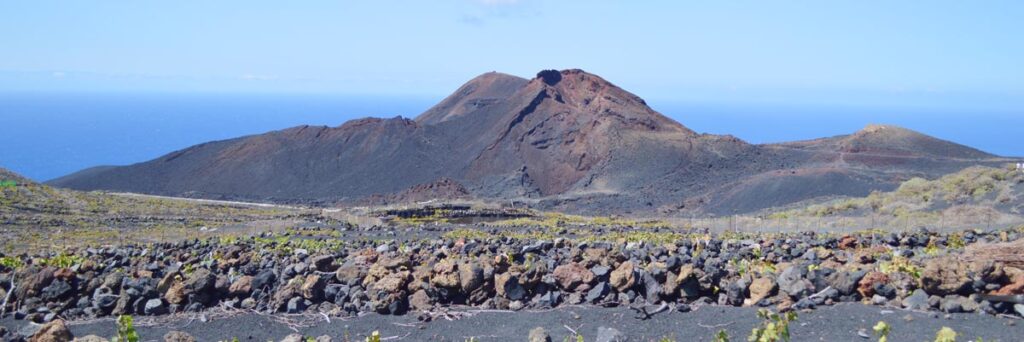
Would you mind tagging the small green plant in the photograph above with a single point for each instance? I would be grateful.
(125, 330)
(721, 336)
(741, 267)
(955, 241)
(774, 328)
(11, 262)
(374, 337)
(931, 248)
(946, 334)
(882, 330)
(745, 266)
(900, 264)
(466, 233)
(62, 260)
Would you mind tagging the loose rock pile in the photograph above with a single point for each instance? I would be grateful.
(920, 270)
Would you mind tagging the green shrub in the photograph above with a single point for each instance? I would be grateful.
(62, 260)
(774, 328)
(721, 336)
(466, 233)
(125, 330)
(882, 329)
(374, 337)
(11, 262)
(916, 188)
(955, 241)
(900, 264)
(946, 334)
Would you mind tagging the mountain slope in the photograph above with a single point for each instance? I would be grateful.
(876, 158)
(890, 140)
(567, 140)
(970, 198)
(37, 217)
(481, 91)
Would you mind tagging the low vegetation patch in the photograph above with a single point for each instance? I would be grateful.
(774, 326)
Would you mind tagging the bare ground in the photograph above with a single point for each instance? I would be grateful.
(836, 323)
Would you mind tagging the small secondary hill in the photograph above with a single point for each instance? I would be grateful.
(564, 140)
(876, 158)
(37, 216)
(888, 140)
(970, 198)
(18, 192)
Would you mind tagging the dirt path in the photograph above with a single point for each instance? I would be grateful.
(836, 323)
(207, 201)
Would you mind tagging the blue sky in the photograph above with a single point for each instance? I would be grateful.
(84, 83)
(917, 53)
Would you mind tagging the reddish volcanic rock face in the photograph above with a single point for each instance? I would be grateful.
(563, 126)
(444, 188)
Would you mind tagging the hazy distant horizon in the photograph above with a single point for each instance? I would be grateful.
(50, 135)
(954, 52)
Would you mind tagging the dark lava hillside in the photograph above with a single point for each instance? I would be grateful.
(565, 140)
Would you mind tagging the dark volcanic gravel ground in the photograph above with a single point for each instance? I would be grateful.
(831, 323)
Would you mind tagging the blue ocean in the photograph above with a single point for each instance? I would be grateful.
(44, 136)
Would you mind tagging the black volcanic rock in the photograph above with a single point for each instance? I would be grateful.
(566, 140)
(388, 286)
(550, 77)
